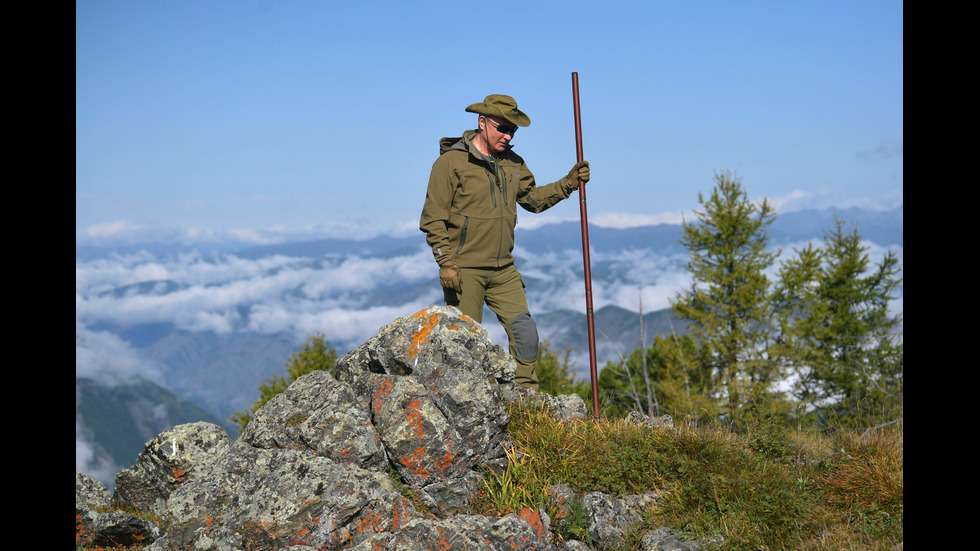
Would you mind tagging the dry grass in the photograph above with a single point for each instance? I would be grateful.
(765, 487)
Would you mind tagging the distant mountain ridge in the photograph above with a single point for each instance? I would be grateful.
(881, 227)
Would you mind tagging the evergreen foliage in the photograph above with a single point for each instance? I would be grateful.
(676, 372)
(836, 331)
(313, 355)
(729, 303)
(824, 319)
(556, 375)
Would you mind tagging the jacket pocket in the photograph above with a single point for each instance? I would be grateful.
(462, 234)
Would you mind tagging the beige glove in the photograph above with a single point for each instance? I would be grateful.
(450, 277)
(579, 172)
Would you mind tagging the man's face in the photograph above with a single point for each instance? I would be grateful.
(499, 132)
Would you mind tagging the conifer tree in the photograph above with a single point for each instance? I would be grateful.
(836, 329)
(728, 303)
(676, 370)
(556, 374)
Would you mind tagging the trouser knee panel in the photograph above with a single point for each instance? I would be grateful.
(525, 333)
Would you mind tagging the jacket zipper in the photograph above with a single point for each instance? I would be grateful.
(493, 179)
(462, 235)
(500, 214)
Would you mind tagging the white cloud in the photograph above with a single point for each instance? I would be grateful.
(800, 200)
(614, 220)
(91, 460)
(106, 358)
(124, 232)
(272, 294)
(633, 220)
(109, 229)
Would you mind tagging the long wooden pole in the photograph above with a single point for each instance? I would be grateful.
(585, 252)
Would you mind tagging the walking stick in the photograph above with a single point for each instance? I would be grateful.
(585, 252)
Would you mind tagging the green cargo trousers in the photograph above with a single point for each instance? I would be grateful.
(503, 291)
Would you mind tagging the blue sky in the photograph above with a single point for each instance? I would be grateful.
(269, 119)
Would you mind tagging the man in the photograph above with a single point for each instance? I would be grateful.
(469, 216)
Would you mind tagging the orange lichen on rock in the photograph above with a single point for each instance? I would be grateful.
(82, 534)
(383, 390)
(441, 542)
(414, 463)
(414, 414)
(402, 513)
(178, 473)
(428, 323)
(534, 519)
(370, 523)
(444, 463)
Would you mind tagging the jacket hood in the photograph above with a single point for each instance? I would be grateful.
(447, 144)
(463, 143)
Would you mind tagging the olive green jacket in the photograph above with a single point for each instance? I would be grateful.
(470, 209)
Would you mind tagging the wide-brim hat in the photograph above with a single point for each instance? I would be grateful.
(501, 106)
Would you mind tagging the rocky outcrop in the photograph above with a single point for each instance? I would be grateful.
(326, 463)
(430, 384)
(176, 456)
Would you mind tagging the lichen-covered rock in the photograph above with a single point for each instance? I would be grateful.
(663, 539)
(566, 407)
(561, 498)
(256, 499)
(117, 528)
(610, 518)
(91, 495)
(431, 340)
(172, 458)
(661, 422)
(430, 383)
(321, 414)
(470, 532)
(420, 440)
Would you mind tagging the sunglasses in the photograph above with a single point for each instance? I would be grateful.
(503, 128)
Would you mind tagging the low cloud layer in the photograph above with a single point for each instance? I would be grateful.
(105, 357)
(340, 297)
(345, 298)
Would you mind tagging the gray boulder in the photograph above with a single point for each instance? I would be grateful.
(662, 539)
(91, 496)
(661, 422)
(257, 498)
(470, 533)
(609, 518)
(97, 525)
(121, 529)
(566, 408)
(431, 383)
(320, 414)
(172, 458)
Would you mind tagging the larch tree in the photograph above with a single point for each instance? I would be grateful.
(837, 330)
(728, 303)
